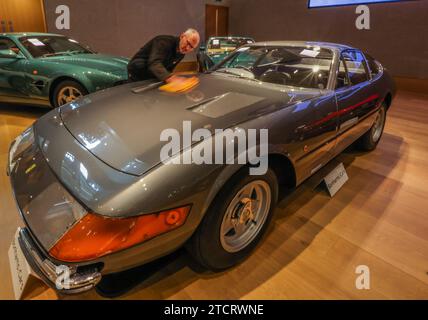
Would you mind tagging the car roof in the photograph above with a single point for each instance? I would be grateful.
(28, 34)
(327, 45)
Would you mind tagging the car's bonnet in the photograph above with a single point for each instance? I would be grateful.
(123, 128)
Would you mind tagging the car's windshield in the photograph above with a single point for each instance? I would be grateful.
(227, 44)
(307, 67)
(46, 46)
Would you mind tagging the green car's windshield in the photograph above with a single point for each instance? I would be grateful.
(307, 67)
(46, 46)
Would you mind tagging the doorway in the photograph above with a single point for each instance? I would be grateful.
(22, 16)
(216, 21)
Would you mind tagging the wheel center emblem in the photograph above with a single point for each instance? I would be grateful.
(245, 213)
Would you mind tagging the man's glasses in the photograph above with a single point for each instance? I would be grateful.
(190, 45)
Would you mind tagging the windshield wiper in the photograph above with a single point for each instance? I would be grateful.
(227, 72)
(78, 51)
(53, 54)
(63, 53)
(237, 75)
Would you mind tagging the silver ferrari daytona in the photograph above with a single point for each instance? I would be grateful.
(96, 195)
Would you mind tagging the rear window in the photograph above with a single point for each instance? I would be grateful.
(356, 66)
(374, 66)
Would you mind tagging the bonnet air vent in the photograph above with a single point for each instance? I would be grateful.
(224, 104)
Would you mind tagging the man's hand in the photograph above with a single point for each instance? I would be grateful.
(175, 79)
(177, 84)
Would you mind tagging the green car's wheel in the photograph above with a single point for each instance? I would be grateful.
(236, 221)
(67, 91)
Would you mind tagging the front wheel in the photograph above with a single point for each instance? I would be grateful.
(236, 221)
(67, 91)
(371, 138)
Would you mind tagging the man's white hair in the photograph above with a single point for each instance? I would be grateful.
(190, 32)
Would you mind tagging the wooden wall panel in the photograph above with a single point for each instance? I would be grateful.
(216, 21)
(22, 16)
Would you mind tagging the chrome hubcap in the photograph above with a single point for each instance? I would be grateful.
(68, 94)
(245, 216)
(378, 125)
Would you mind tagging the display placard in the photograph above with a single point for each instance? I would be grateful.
(23, 277)
(336, 179)
(36, 42)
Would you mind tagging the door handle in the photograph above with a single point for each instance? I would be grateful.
(11, 26)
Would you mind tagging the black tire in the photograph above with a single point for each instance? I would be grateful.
(65, 84)
(369, 140)
(205, 245)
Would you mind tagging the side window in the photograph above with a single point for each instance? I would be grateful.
(356, 66)
(342, 76)
(7, 44)
(374, 66)
(274, 56)
(245, 59)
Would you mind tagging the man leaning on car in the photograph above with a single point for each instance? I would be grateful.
(158, 58)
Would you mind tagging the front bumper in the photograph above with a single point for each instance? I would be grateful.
(79, 280)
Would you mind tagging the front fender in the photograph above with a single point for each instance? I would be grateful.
(92, 82)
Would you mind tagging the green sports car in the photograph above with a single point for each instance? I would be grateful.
(51, 70)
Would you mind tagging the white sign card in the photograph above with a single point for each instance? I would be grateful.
(36, 42)
(310, 53)
(336, 179)
(22, 274)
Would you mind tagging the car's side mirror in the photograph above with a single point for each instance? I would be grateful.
(9, 54)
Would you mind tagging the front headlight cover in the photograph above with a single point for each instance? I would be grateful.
(21, 143)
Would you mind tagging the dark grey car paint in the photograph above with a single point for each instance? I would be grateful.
(104, 150)
(133, 146)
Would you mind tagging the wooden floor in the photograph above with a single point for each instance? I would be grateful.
(379, 219)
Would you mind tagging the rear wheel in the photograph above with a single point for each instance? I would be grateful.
(67, 91)
(371, 138)
(236, 221)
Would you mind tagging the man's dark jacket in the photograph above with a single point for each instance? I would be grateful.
(156, 60)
